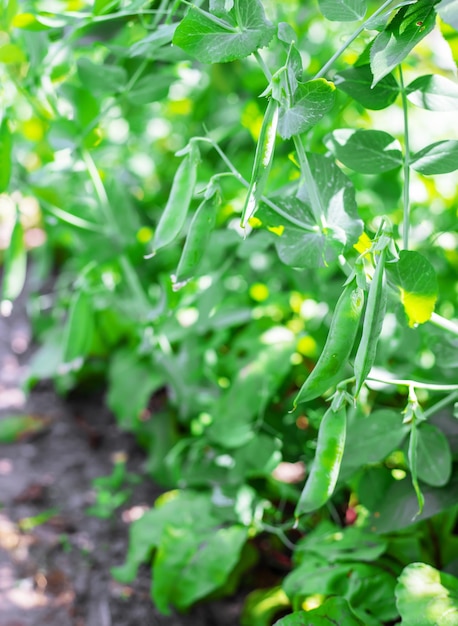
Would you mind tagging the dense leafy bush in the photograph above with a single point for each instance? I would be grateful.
(250, 211)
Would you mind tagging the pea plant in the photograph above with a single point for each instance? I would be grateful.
(249, 210)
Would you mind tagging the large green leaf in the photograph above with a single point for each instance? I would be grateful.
(101, 79)
(357, 83)
(343, 10)
(397, 507)
(408, 27)
(365, 151)
(310, 102)
(434, 458)
(371, 438)
(427, 597)
(417, 282)
(248, 395)
(437, 158)
(212, 39)
(189, 564)
(336, 545)
(433, 92)
(299, 239)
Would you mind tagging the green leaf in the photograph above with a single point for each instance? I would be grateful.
(215, 40)
(150, 90)
(249, 393)
(417, 282)
(10, 53)
(19, 427)
(434, 458)
(101, 79)
(434, 93)
(190, 564)
(336, 545)
(343, 10)
(333, 611)
(311, 101)
(427, 597)
(300, 240)
(437, 158)
(398, 505)
(6, 147)
(448, 11)
(357, 83)
(15, 265)
(408, 27)
(126, 372)
(365, 151)
(371, 438)
(80, 327)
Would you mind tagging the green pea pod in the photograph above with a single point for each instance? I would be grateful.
(342, 333)
(262, 161)
(201, 227)
(372, 326)
(323, 477)
(6, 144)
(79, 332)
(15, 265)
(176, 209)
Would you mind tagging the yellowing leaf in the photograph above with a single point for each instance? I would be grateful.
(277, 230)
(363, 244)
(418, 308)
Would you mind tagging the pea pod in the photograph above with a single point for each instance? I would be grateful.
(6, 145)
(323, 477)
(199, 233)
(15, 264)
(79, 332)
(372, 326)
(176, 209)
(331, 364)
(262, 161)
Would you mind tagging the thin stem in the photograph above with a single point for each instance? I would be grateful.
(441, 404)
(406, 166)
(444, 323)
(245, 183)
(412, 384)
(262, 65)
(351, 39)
(307, 176)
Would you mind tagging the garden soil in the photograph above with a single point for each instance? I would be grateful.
(55, 560)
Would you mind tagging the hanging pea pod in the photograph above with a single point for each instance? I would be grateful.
(262, 161)
(342, 333)
(323, 477)
(373, 322)
(201, 227)
(6, 144)
(174, 215)
(15, 265)
(79, 331)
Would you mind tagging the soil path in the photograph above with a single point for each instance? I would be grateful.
(54, 559)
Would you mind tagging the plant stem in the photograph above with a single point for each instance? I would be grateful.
(444, 323)
(127, 268)
(262, 65)
(406, 166)
(413, 384)
(351, 39)
(441, 404)
(307, 176)
(245, 183)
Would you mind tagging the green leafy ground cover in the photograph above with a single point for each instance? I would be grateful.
(252, 206)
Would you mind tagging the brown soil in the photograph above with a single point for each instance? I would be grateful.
(57, 572)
